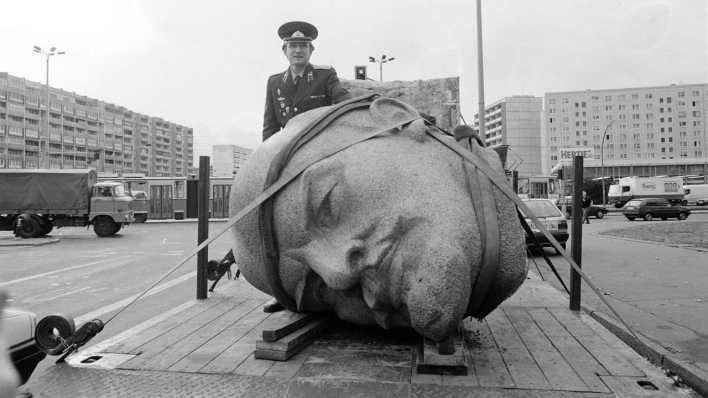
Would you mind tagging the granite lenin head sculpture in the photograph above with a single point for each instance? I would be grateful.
(383, 232)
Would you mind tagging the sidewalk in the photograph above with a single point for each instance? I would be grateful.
(532, 346)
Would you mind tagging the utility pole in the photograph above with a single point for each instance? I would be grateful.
(44, 151)
(480, 71)
(602, 160)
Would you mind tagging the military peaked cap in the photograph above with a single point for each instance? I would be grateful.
(295, 31)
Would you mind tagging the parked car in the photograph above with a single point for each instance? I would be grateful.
(595, 211)
(702, 202)
(551, 217)
(650, 208)
(18, 327)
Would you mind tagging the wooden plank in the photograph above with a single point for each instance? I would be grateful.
(293, 343)
(283, 323)
(132, 343)
(228, 360)
(523, 368)
(606, 355)
(253, 366)
(610, 358)
(202, 356)
(579, 358)
(148, 351)
(489, 366)
(201, 335)
(558, 372)
(430, 361)
(572, 322)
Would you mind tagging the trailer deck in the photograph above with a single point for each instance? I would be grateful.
(532, 346)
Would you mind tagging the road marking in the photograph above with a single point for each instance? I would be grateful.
(42, 275)
(119, 304)
(99, 347)
(50, 298)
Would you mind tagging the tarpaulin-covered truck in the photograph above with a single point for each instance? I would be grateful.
(32, 202)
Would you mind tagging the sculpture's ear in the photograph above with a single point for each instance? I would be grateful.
(389, 111)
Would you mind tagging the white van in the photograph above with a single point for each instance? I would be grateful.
(695, 192)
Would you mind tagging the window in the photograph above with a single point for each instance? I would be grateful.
(608, 98)
(647, 96)
(668, 100)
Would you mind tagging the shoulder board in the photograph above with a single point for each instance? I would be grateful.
(322, 67)
(279, 74)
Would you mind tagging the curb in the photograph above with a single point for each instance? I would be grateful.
(12, 242)
(690, 374)
(186, 221)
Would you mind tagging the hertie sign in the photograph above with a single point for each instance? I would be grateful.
(570, 153)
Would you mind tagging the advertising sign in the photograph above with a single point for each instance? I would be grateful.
(570, 153)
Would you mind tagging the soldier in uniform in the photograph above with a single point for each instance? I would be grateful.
(302, 86)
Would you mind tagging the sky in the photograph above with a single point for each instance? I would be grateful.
(205, 64)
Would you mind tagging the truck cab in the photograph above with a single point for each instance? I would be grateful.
(110, 208)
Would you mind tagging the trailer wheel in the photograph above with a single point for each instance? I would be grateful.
(104, 226)
(600, 214)
(682, 216)
(28, 227)
(45, 226)
(648, 217)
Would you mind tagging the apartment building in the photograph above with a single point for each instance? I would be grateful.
(516, 121)
(647, 130)
(75, 131)
(227, 159)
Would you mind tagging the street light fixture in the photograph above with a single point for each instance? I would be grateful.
(602, 160)
(51, 52)
(381, 61)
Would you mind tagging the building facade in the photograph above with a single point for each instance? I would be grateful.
(647, 130)
(228, 159)
(516, 121)
(75, 131)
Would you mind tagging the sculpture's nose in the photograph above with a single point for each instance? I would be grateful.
(437, 296)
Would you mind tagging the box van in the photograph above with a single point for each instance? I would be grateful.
(669, 188)
(694, 193)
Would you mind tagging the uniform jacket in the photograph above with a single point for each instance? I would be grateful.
(318, 86)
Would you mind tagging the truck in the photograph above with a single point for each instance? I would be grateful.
(628, 188)
(696, 194)
(34, 201)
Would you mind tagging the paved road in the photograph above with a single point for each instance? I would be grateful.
(89, 277)
(660, 290)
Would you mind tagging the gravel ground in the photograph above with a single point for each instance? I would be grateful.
(692, 233)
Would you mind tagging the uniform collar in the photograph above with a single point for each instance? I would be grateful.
(307, 72)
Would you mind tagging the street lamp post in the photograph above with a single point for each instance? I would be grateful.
(52, 51)
(602, 160)
(381, 61)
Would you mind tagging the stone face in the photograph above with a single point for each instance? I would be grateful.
(383, 232)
